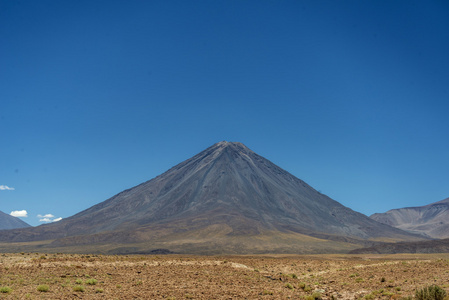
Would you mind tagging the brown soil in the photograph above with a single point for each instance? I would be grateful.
(207, 277)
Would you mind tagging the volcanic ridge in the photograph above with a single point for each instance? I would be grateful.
(431, 220)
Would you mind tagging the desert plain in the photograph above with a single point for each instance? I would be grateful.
(339, 276)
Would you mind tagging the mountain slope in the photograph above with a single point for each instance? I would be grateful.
(433, 246)
(226, 198)
(431, 220)
(10, 222)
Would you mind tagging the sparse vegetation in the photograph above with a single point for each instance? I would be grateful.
(43, 288)
(91, 281)
(369, 296)
(78, 288)
(307, 288)
(289, 286)
(113, 277)
(5, 289)
(432, 292)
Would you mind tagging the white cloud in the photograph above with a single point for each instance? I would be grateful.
(46, 216)
(19, 213)
(6, 188)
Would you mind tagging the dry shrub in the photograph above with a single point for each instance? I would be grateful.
(432, 292)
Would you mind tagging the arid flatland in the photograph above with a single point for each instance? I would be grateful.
(67, 276)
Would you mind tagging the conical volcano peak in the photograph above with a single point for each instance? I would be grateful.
(235, 146)
(228, 151)
(226, 198)
(220, 150)
(224, 144)
(224, 151)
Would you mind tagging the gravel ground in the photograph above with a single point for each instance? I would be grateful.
(66, 276)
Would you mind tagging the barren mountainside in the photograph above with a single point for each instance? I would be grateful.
(431, 220)
(226, 199)
(433, 246)
(10, 222)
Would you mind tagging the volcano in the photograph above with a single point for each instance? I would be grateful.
(226, 199)
(10, 222)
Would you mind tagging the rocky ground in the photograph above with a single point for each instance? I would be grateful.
(66, 276)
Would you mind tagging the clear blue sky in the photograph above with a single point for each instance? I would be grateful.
(99, 96)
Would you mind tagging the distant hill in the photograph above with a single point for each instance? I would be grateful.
(226, 199)
(433, 246)
(431, 220)
(10, 222)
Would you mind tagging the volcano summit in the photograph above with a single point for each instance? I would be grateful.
(226, 199)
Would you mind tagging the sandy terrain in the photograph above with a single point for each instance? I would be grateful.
(205, 277)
